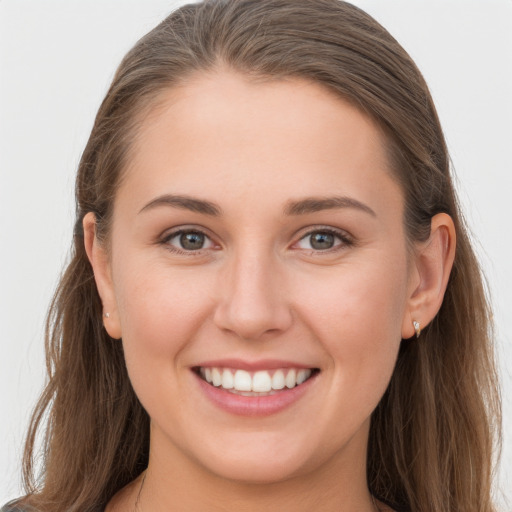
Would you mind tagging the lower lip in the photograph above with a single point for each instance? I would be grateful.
(254, 405)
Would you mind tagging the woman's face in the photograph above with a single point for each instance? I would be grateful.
(257, 240)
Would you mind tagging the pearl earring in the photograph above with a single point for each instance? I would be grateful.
(106, 315)
(417, 328)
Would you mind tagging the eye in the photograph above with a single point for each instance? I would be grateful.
(323, 240)
(188, 241)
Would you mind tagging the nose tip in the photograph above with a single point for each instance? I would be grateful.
(251, 319)
(252, 303)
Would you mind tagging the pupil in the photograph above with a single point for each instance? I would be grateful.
(192, 241)
(322, 241)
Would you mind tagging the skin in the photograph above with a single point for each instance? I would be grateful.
(258, 289)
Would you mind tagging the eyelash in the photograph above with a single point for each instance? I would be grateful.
(168, 237)
(345, 238)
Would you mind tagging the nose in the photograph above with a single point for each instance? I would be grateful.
(253, 301)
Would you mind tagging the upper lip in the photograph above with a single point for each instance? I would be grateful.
(252, 366)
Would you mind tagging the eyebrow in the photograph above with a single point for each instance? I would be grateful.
(185, 203)
(300, 207)
(317, 204)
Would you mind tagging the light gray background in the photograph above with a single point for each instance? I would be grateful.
(57, 58)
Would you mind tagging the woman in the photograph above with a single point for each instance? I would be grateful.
(272, 300)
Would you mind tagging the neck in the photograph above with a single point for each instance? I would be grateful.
(175, 482)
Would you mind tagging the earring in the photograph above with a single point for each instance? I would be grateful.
(417, 328)
(106, 315)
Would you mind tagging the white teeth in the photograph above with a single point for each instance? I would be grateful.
(261, 382)
(290, 380)
(227, 379)
(216, 377)
(242, 381)
(258, 382)
(302, 375)
(278, 380)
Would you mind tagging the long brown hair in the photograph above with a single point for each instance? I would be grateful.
(433, 434)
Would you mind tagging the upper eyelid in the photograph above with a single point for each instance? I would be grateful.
(172, 232)
(342, 233)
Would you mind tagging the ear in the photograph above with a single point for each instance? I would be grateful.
(432, 265)
(100, 263)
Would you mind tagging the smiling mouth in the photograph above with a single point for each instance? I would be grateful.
(258, 383)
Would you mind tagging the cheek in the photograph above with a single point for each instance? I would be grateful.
(159, 309)
(356, 314)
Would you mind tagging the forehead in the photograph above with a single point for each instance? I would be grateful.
(223, 135)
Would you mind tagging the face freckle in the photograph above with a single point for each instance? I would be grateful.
(258, 229)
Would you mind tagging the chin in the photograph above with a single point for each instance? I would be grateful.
(256, 471)
(259, 458)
